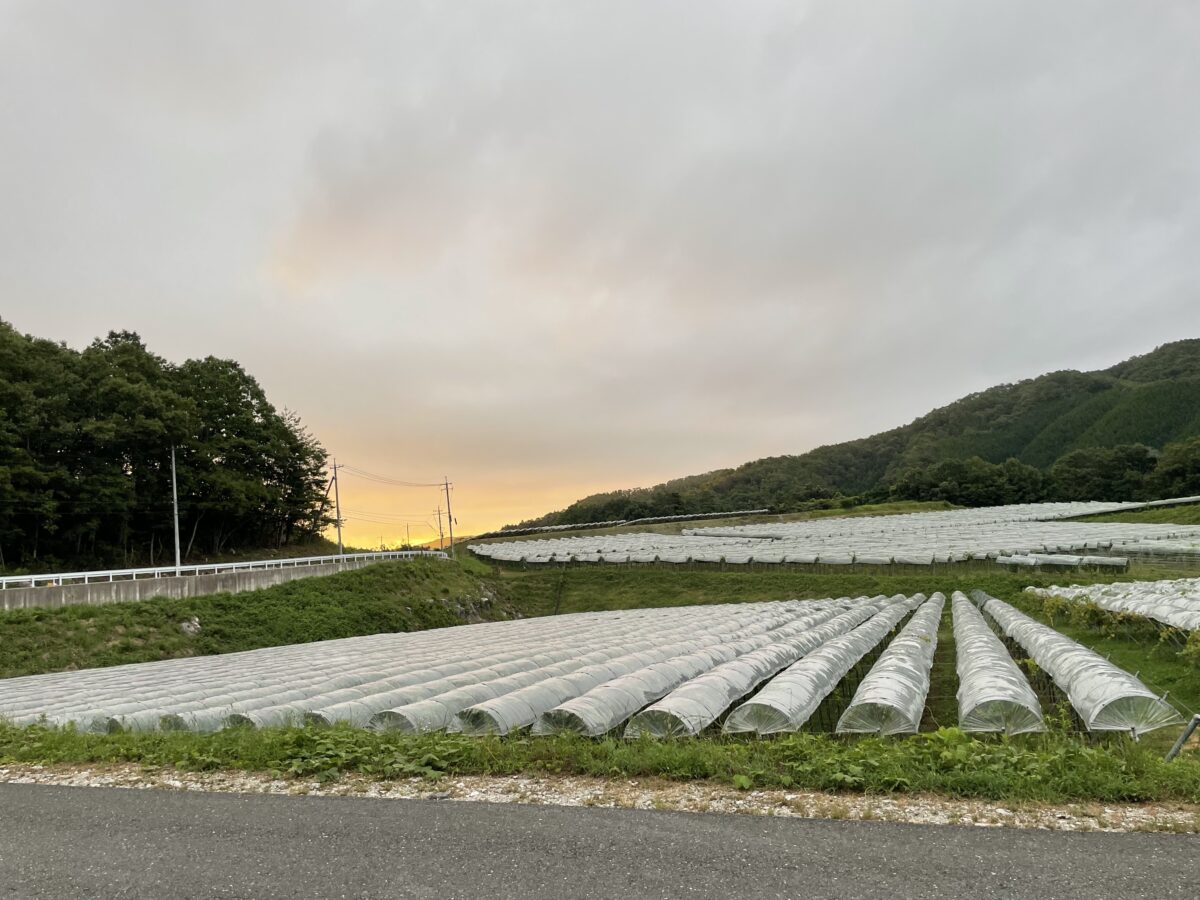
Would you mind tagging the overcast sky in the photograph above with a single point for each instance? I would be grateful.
(549, 248)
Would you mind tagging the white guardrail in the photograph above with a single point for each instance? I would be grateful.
(60, 578)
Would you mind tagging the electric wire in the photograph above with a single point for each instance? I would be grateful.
(386, 479)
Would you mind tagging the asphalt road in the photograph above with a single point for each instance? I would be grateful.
(100, 842)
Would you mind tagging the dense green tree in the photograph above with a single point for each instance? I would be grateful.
(972, 482)
(1104, 473)
(1178, 470)
(85, 449)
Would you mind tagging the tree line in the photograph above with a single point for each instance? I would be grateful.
(85, 457)
(1123, 472)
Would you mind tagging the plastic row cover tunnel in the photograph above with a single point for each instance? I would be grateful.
(607, 705)
(521, 708)
(790, 698)
(438, 707)
(354, 679)
(1106, 698)
(690, 709)
(891, 698)
(433, 706)
(1174, 602)
(270, 686)
(993, 694)
(520, 701)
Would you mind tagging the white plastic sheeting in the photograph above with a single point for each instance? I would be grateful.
(1063, 561)
(592, 699)
(414, 681)
(1175, 602)
(792, 696)
(891, 697)
(993, 694)
(690, 709)
(607, 705)
(1183, 544)
(1031, 535)
(1106, 697)
(525, 706)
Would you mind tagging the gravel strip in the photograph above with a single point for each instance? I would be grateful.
(641, 794)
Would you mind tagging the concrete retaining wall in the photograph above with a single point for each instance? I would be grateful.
(99, 593)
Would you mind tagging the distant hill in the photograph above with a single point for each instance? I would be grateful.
(1151, 400)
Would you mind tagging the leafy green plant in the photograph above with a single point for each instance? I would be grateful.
(1056, 766)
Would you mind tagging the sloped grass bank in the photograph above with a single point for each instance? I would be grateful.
(391, 596)
(1161, 515)
(603, 586)
(1042, 768)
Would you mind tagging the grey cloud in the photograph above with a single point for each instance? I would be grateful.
(614, 240)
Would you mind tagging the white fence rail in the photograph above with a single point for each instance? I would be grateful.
(60, 578)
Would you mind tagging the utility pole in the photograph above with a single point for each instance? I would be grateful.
(441, 534)
(337, 508)
(175, 505)
(449, 515)
(407, 536)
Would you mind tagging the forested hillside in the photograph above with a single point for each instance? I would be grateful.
(1065, 435)
(85, 456)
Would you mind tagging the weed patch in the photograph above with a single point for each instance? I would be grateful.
(1051, 767)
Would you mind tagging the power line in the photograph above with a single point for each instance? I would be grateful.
(392, 522)
(387, 479)
(394, 519)
(384, 515)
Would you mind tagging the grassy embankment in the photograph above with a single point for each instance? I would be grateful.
(1054, 767)
(1164, 515)
(399, 596)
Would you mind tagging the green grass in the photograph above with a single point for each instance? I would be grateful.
(1045, 768)
(396, 596)
(1163, 515)
(941, 703)
(534, 590)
